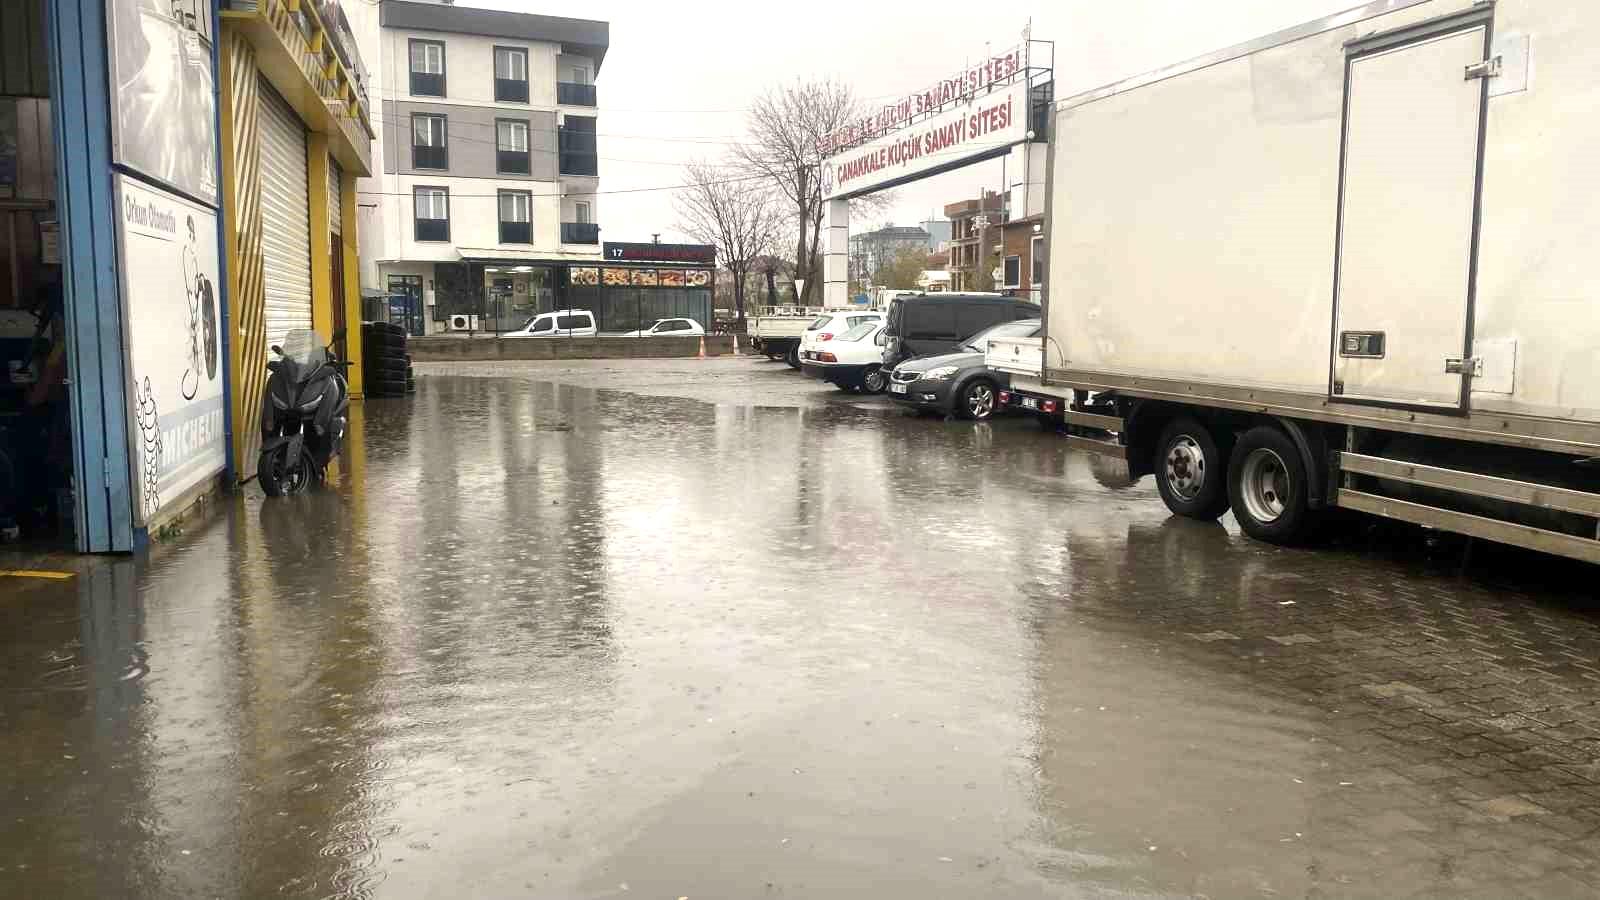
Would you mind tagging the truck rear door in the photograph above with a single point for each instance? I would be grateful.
(1408, 213)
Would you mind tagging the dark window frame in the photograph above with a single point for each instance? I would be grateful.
(416, 221)
(521, 161)
(443, 73)
(443, 148)
(1036, 261)
(1007, 281)
(494, 65)
(522, 230)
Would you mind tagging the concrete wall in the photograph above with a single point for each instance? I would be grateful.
(461, 349)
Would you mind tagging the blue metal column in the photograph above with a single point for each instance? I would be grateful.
(224, 296)
(86, 206)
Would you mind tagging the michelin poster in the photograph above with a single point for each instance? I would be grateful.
(163, 92)
(171, 301)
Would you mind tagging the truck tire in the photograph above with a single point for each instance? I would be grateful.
(793, 357)
(1269, 488)
(1191, 470)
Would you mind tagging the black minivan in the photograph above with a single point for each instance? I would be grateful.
(929, 324)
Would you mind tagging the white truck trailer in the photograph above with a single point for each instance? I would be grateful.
(1354, 264)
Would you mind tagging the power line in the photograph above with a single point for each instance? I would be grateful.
(451, 136)
(957, 151)
(495, 195)
(697, 139)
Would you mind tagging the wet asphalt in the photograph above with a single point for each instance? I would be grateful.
(708, 629)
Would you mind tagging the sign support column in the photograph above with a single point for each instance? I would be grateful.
(836, 256)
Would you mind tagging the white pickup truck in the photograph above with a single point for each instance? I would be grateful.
(776, 331)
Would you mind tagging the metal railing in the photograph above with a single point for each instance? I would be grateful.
(580, 233)
(570, 93)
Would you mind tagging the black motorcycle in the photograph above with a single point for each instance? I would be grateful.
(303, 414)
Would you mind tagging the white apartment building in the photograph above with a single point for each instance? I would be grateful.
(486, 194)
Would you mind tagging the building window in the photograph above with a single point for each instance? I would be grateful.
(429, 147)
(578, 74)
(581, 212)
(511, 147)
(432, 213)
(510, 75)
(427, 68)
(1038, 261)
(516, 217)
(1013, 272)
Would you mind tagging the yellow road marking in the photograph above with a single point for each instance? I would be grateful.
(35, 573)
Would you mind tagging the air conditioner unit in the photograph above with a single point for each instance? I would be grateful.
(463, 322)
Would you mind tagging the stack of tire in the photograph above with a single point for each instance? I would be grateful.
(385, 363)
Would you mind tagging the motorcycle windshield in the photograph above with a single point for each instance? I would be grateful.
(306, 350)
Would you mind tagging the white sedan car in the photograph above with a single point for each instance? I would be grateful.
(851, 361)
(670, 328)
(831, 325)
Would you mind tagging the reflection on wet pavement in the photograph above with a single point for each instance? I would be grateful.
(723, 633)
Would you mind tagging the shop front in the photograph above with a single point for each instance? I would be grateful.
(113, 316)
(634, 285)
(143, 270)
(296, 134)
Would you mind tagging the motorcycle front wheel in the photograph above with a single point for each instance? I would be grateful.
(282, 477)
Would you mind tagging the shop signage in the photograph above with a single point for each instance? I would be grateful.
(966, 84)
(163, 93)
(705, 254)
(985, 127)
(172, 319)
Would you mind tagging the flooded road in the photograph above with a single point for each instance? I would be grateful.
(706, 629)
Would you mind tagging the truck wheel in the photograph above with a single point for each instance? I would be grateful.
(793, 357)
(1191, 471)
(1268, 487)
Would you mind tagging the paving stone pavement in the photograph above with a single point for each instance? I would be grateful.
(1460, 716)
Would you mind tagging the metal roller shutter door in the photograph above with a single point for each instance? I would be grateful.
(285, 217)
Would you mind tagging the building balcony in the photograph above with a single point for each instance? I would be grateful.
(572, 94)
(579, 147)
(580, 233)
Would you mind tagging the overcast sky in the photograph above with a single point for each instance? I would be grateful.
(678, 76)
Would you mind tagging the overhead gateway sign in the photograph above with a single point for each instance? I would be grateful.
(986, 126)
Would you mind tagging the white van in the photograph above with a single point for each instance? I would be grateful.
(561, 323)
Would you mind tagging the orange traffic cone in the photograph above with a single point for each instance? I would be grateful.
(702, 347)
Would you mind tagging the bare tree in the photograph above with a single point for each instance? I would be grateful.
(739, 217)
(787, 124)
